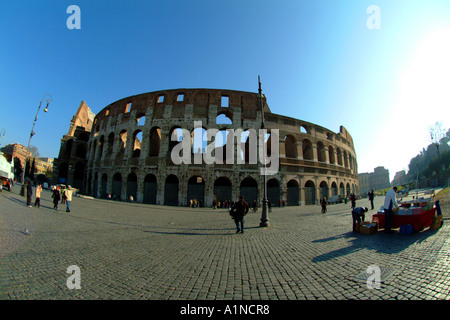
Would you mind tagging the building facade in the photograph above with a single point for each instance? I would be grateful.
(130, 152)
(19, 155)
(69, 168)
(376, 180)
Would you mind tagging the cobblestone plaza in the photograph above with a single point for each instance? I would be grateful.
(138, 252)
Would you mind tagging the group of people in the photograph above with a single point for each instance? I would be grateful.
(238, 209)
(65, 195)
(390, 203)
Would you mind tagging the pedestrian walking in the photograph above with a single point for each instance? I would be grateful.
(68, 198)
(63, 194)
(269, 205)
(353, 200)
(324, 204)
(56, 197)
(238, 212)
(38, 196)
(371, 196)
(358, 216)
(390, 202)
(29, 193)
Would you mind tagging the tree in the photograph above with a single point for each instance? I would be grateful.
(419, 165)
(437, 132)
(33, 169)
(34, 151)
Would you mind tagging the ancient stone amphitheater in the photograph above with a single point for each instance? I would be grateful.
(130, 152)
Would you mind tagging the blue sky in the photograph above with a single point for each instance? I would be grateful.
(318, 62)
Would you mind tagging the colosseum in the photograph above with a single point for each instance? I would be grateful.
(130, 147)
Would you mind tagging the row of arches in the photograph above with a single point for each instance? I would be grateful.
(338, 156)
(222, 189)
(117, 143)
(198, 145)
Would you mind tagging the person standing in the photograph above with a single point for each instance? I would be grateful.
(358, 215)
(324, 203)
(353, 200)
(238, 212)
(371, 196)
(56, 197)
(38, 196)
(68, 198)
(29, 193)
(63, 195)
(390, 202)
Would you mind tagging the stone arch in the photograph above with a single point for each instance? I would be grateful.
(342, 190)
(222, 189)
(290, 144)
(292, 193)
(305, 129)
(334, 189)
(339, 156)
(103, 185)
(310, 193)
(321, 152)
(171, 187)
(307, 150)
(196, 190)
(331, 155)
(323, 190)
(140, 119)
(250, 140)
(123, 140)
(198, 140)
(224, 118)
(132, 185)
(179, 137)
(150, 188)
(117, 186)
(155, 141)
(249, 190)
(345, 159)
(273, 192)
(137, 144)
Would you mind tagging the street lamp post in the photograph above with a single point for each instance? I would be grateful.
(264, 216)
(48, 98)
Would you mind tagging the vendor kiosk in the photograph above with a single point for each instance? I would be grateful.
(416, 212)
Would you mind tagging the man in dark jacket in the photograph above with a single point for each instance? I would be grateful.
(238, 212)
(371, 197)
(358, 215)
(29, 193)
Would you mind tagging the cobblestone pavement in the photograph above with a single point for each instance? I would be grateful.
(136, 251)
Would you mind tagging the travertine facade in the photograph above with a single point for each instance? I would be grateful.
(70, 166)
(130, 152)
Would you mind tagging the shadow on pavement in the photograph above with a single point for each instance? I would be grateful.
(379, 242)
